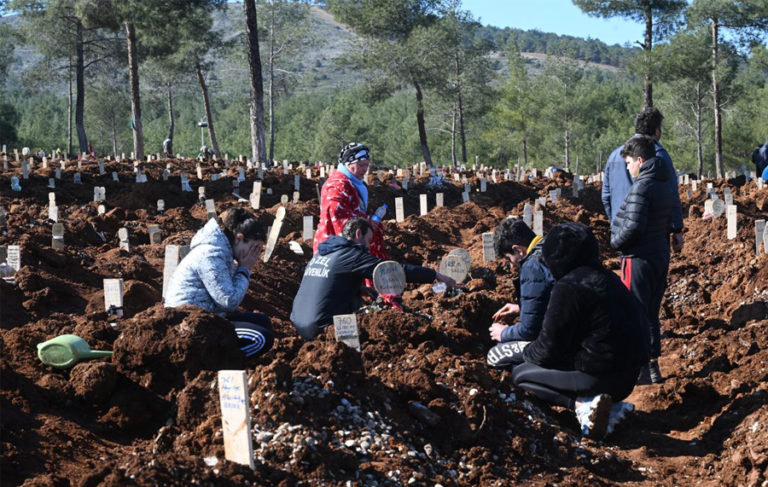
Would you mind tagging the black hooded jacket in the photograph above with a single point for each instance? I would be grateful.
(643, 224)
(593, 323)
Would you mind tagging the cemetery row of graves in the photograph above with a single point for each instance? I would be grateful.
(89, 245)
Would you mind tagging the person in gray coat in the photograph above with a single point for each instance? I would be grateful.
(209, 278)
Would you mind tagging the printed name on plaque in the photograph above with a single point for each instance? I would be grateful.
(345, 330)
(236, 417)
(454, 267)
(489, 253)
(389, 278)
(113, 296)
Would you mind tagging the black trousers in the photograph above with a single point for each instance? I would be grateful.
(647, 281)
(562, 387)
(254, 332)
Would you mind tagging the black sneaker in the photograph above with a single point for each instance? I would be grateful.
(654, 372)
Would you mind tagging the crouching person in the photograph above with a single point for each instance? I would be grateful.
(515, 240)
(208, 276)
(594, 338)
(332, 278)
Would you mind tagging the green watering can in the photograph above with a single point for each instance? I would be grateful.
(66, 350)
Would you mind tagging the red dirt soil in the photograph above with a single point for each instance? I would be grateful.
(324, 414)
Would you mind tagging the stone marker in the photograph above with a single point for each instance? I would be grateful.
(542, 201)
(489, 254)
(13, 259)
(155, 235)
(57, 240)
(399, 210)
(709, 207)
(454, 267)
(308, 230)
(389, 278)
(201, 193)
(528, 215)
(553, 196)
(210, 209)
(423, 209)
(538, 222)
(161, 206)
(240, 175)
(464, 255)
(236, 417)
(439, 199)
(345, 330)
(759, 237)
(718, 208)
(730, 214)
(122, 235)
(274, 233)
(199, 171)
(113, 296)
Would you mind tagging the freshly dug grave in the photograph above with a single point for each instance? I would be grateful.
(417, 406)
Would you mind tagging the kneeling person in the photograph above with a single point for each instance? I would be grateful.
(517, 242)
(332, 278)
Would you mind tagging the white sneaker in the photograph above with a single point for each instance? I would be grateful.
(593, 415)
(619, 411)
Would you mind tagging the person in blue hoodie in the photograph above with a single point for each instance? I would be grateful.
(617, 181)
(209, 278)
(332, 278)
(641, 232)
(515, 240)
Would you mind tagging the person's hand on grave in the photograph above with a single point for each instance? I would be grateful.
(506, 310)
(449, 282)
(677, 242)
(496, 329)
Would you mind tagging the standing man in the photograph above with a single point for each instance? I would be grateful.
(345, 195)
(517, 242)
(332, 278)
(641, 232)
(617, 180)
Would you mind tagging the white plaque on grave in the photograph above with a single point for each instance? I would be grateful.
(389, 278)
(730, 214)
(538, 223)
(210, 209)
(284, 199)
(122, 235)
(160, 206)
(345, 330)
(101, 209)
(718, 208)
(308, 225)
(24, 170)
(454, 267)
(489, 253)
(464, 255)
(172, 259)
(553, 196)
(13, 258)
(113, 296)
(399, 210)
(53, 212)
(255, 199)
(439, 199)
(274, 234)
(709, 207)
(101, 168)
(296, 182)
(528, 215)
(423, 209)
(295, 196)
(236, 417)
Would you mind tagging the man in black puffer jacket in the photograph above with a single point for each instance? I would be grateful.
(594, 339)
(641, 233)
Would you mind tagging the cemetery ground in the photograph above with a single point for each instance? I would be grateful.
(418, 405)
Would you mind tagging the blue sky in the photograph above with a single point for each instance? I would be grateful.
(556, 16)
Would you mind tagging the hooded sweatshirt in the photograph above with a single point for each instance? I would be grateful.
(593, 323)
(331, 283)
(207, 276)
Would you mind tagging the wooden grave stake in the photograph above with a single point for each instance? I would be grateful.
(423, 209)
(113, 296)
(759, 230)
(173, 255)
(308, 231)
(399, 210)
(274, 233)
(122, 235)
(528, 215)
(345, 330)
(236, 417)
(439, 199)
(538, 223)
(210, 209)
(489, 253)
(730, 214)
(57, 240)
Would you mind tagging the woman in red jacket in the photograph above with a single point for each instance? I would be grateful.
(345, 195)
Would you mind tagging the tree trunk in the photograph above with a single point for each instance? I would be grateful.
(716, 103)
(256, 99)
(454, 161)
(272, 86)
(421, 124)
(69, 109)
(171, 119)
(648, 46)
(207, 104)
(462, 132)
(567, 150)
(699, 151)
(133, 69)
(80, 96)
(525, 150)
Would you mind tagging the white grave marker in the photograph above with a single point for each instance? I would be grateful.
(489, 253)
(528, 215)
(161, 206)
(308, 231)
(389, 278)
(57, 240)
(465, 197)
(439, 199)
(13, 258)
(113, 296)
(236, 417)
(454, 267)
(210, 209)
(274, 234)
(399, 210)
(538, 222)
(345, 330)
(101, 209)
(122, 235)
(173, 255)
(730, 214)
(553, 196)
(423, 209)
(464, 255)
